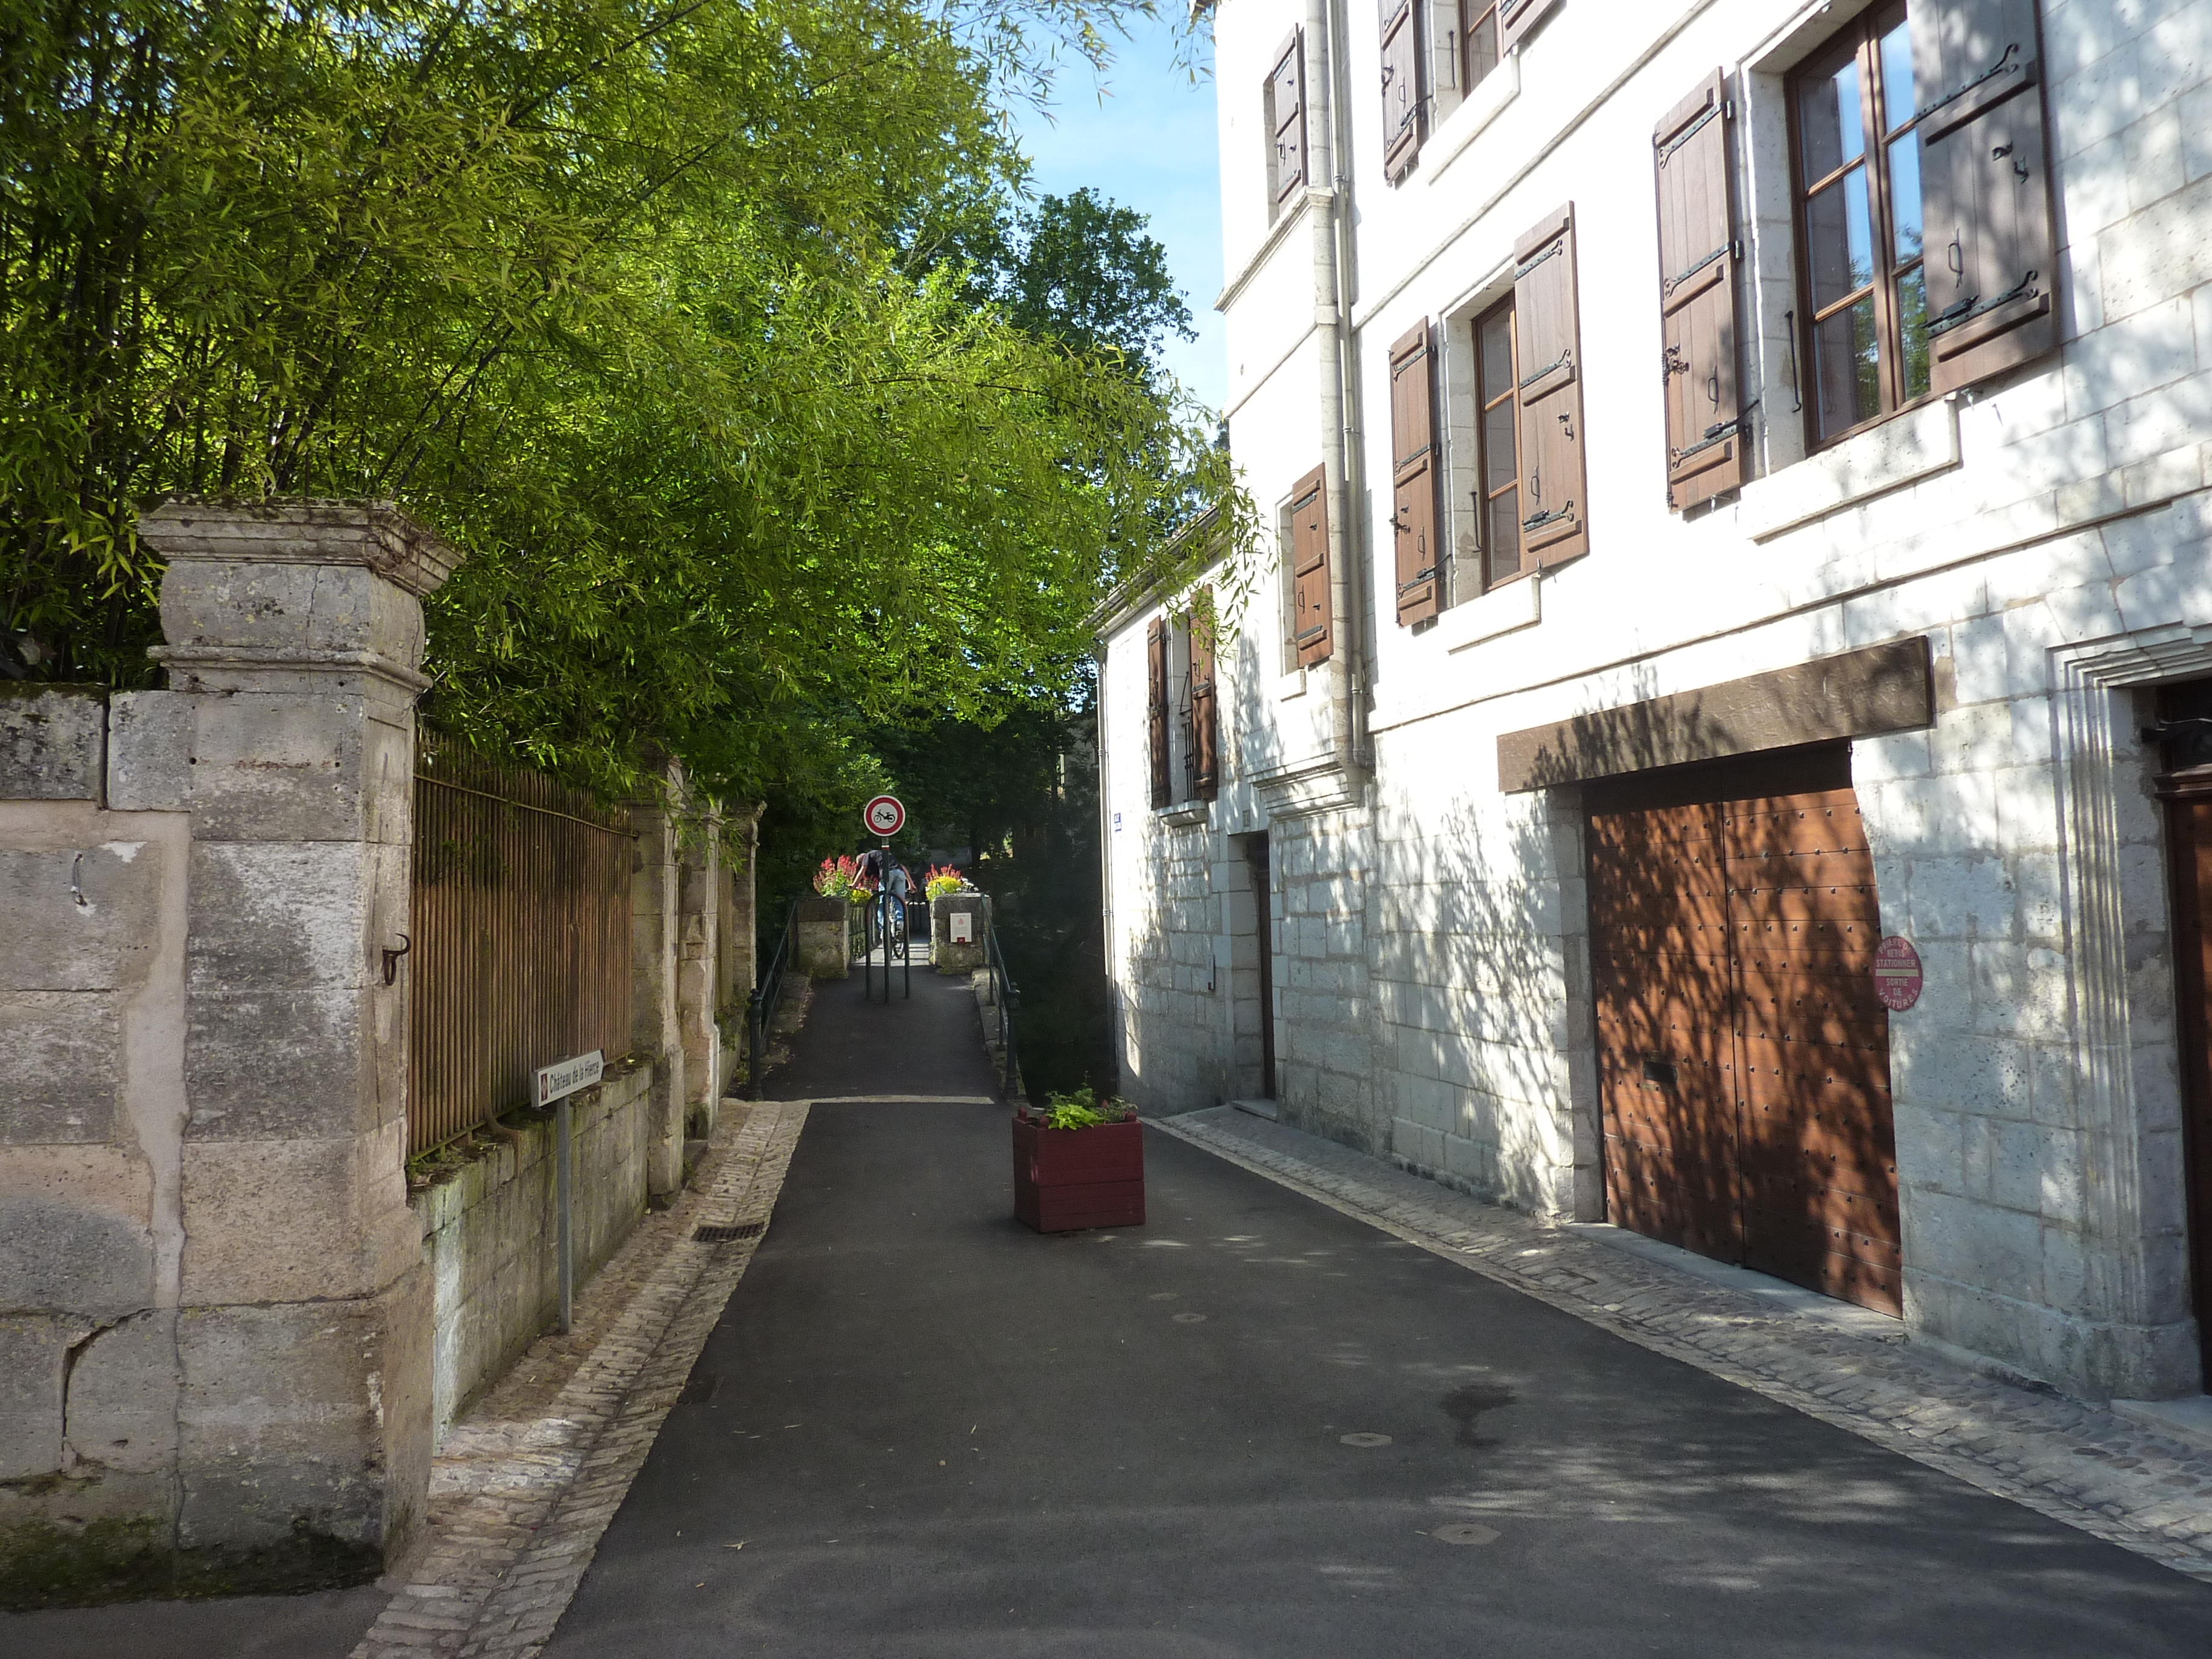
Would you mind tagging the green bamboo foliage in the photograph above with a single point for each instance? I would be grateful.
(612, 292)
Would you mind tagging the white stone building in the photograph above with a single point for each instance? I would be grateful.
(1741, 476)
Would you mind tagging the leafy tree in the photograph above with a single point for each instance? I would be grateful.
(612, 292)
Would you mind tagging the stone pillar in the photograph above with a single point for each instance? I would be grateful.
(700, 875)
(252, 1408)
(655, 1034)
(825, 938)
(955, 955)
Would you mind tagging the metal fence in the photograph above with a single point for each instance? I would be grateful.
(521, 938)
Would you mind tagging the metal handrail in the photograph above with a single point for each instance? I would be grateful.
(1005, 996)
(760, 1005)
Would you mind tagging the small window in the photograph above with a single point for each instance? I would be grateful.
(1856, 150)
(1497, 445)
(1478, 42)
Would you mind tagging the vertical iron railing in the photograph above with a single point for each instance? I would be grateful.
(519, 927)
(760, 1005)
(1006, 999)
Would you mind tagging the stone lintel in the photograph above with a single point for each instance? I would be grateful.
(1861, 693)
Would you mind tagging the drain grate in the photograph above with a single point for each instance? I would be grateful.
(726, 1234)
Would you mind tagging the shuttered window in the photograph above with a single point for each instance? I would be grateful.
(1553, 490)
(1478, 42)
(1517, 19)
(1403, 95)
(1156, 673)
(1205, 705)
(1310, 637)
(1857, 150)
(1693, 151)
(1497, 446)
(1985, 190)
(1413, 474)
(1285, 102)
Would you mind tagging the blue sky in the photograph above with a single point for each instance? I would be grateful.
(1144, 134)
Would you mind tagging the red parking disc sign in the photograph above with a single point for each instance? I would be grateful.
(883, 815)
(1897, 973)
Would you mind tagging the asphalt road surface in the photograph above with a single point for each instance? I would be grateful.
(1253, 1426)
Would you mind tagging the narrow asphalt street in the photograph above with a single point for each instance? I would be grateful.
(1253, 1426)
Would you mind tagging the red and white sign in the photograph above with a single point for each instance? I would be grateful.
(885, 815)
(1897, 973)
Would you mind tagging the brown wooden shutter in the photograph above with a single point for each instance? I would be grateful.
(1413, 474)
(1699, 323)
(1985, 188)
(1286, 104)
(1554, 484)
(1205, 706)
(1402, 104)
(1517, 18)
(1155, 670)
(1311, 638)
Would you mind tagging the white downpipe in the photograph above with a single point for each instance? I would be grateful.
(1326, 36)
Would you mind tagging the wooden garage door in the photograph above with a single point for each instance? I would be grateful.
(1743, 1058)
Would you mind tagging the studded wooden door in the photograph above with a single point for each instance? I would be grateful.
(1743, 1058)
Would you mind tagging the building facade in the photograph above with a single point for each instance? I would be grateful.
(1713, 743)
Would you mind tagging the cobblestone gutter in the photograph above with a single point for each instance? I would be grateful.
(527, 1484)
(2086, 1465)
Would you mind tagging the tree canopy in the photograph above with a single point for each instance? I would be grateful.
(634, 300)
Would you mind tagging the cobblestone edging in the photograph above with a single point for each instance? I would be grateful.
(2083, 1464)
(524, 1488)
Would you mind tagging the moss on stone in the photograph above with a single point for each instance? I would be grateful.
(45, 1565)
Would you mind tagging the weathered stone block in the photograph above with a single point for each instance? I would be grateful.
(53, 741)
(78, 918)
(33, 1351)
(151, 739)
(283, 915)
(62, 1051)
(271, 1064)
(308, 1424)
(123, 1394)
(75, 1230)
(295, 1220)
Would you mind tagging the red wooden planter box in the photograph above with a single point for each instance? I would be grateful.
(1067, 1180)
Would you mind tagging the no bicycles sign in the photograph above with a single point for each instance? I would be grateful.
(883, 815)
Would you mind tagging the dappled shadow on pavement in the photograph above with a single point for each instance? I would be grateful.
(935, 1433)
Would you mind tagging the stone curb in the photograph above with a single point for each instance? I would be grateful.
(2080, 1464)
(510, 1559)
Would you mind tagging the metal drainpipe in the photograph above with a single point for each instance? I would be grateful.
(1338, 387)
(1106, 857)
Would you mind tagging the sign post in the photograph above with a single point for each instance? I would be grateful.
(556, 1083)
(884, 816)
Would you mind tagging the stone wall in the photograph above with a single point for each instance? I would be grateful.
(489, 1233)
(224, 1352)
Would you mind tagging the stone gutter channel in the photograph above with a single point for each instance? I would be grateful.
(525, 1485)
(2100, 1469)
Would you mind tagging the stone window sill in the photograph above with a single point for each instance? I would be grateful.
(1186, 812)
(1919, 443)
(1476, 111)
(1503, 609)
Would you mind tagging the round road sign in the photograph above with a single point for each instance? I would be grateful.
(883, 815)
(1897, 973)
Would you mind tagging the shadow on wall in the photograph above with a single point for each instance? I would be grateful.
(1436, 1000)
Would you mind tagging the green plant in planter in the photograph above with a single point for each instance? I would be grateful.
(1079, 1111)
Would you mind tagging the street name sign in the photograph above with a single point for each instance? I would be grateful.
(564, 1076)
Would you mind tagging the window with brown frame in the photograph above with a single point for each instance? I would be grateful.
(1497, 445)
(1856, 147)
(1478, 42)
